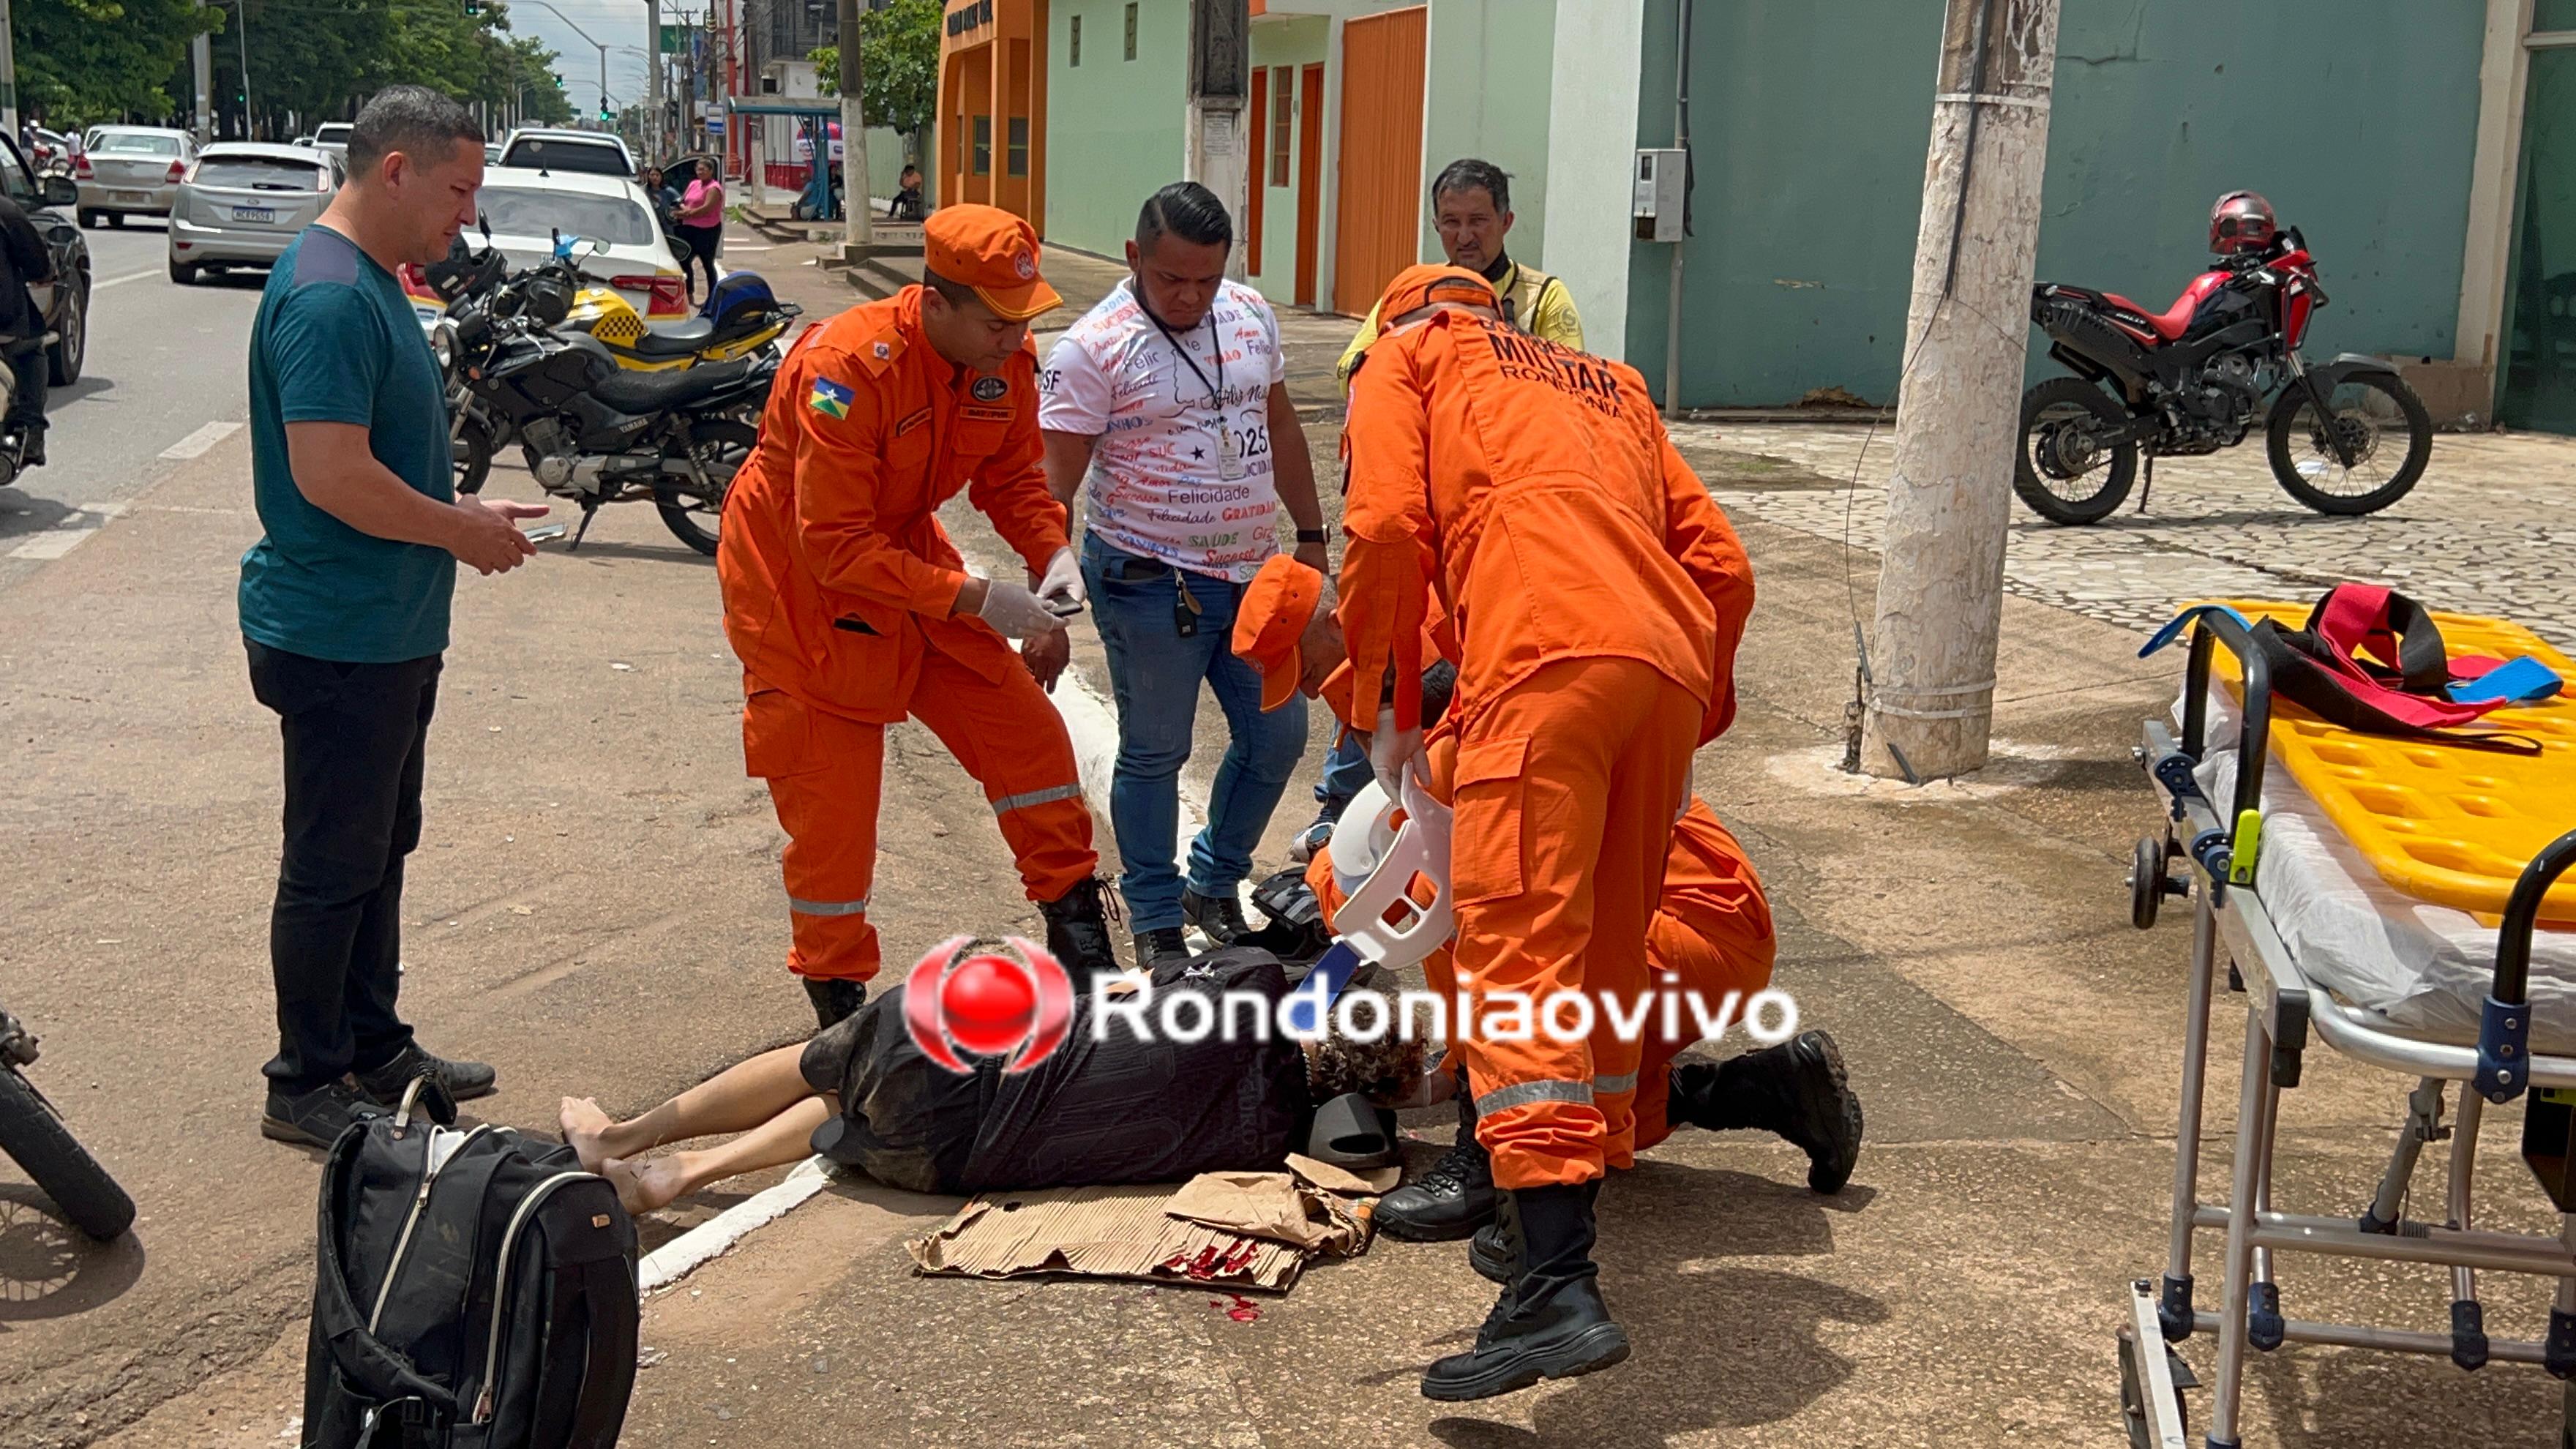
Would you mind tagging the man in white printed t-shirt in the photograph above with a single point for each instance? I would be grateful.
(1168, 399)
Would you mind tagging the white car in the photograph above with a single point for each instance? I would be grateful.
(596, 152)
(130, 171)
(526, 211)
(333, 136)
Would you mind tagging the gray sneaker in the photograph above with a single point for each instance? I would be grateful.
(317, 1118)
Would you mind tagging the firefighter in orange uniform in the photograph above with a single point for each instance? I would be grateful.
(851, 610)
(1597, 595)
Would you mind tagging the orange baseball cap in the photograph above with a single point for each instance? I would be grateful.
(1424, 283)
(1277, 606)
(992, 251)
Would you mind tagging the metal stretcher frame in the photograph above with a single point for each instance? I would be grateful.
(2284, 1010)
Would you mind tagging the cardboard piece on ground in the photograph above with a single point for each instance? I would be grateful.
(1373, 1183)
(1099, 1232)
(1275, 1206)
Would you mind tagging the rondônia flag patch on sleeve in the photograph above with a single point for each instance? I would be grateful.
(831, 399)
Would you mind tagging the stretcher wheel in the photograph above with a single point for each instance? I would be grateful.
(2133, 1402)
(2148, 883)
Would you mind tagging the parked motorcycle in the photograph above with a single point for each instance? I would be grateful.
(592, 432)
(33, 1135)
(2348, 437)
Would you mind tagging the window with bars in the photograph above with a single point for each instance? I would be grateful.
(1018, 159)
(1283, 122)
(983, 161)
(1131, 29)
(1073, 43)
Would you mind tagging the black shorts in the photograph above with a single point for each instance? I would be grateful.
(825, 1062)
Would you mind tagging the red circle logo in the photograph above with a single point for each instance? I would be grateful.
(1025, 265)
(988, 1005)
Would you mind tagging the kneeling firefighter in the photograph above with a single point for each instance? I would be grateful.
(1597, 595)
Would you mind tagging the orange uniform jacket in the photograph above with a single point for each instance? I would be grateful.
(1492, 495)
(835, 570)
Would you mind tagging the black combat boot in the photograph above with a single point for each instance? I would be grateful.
(1220, 916)
(1453, 1199)
(835, 998)
(1550, 1322)
(1796, 1089)
(1077, 935)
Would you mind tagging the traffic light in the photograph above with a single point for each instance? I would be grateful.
(473, 7)
(603, 108)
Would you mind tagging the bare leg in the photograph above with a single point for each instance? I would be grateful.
(737, 1099)
(644, 1186)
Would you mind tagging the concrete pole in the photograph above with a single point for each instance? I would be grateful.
(1931, 665)
(8, 72)
(652, 78)
(858, 226)
(201, 66)
(1216, 152)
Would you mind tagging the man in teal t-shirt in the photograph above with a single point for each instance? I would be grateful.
(344, 603)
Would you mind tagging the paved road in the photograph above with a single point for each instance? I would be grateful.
(165, 362)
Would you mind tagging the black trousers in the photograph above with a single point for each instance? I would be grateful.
(355, 737)
(27, 404)
(702, 243)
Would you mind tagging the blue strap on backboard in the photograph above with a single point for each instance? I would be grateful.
(2173, 630)
(1323, 985)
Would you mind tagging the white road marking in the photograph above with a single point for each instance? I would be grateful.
(121, 281)
(674, 1260)
(195, 444)
(68, 533)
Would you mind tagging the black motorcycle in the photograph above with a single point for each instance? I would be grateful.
(33, 1135)
(2344, 437)
(592, 432)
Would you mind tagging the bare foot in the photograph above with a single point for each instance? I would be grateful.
(584, 1124)
(644, 1186)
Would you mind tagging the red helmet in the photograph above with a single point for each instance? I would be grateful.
(2242, 221)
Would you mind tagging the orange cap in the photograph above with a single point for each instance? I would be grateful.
(992, 251)
(1424, 283)
(1277, 606)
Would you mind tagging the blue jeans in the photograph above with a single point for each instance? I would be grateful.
(1346, 773)
(1156, 674)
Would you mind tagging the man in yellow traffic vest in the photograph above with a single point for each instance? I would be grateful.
(1471, 204)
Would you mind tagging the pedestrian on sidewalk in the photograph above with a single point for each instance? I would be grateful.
(1471, 207)
(850, 609)
(344, 602)
(701, 227)
(1170, 397)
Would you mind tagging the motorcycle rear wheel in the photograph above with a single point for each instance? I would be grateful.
(38, 1141)
(2365, 406)
(2060, 472)
(722, 447)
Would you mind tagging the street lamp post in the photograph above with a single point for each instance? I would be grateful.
(585, 35)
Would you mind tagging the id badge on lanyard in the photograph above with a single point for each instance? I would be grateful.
(1229, 451)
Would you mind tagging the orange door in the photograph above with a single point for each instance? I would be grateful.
(1310, 177)
(1256, 141)
(1379, 229)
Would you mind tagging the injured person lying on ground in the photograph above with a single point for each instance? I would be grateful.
(1101, 1108)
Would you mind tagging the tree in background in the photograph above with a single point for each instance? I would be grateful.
(899, 60)
(85, 61)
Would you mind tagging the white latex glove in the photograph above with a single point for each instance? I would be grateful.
(1389, 749)
(1015, 611)
(1062, 583)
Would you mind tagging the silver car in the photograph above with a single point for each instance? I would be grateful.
(244, 202)
(132, 170)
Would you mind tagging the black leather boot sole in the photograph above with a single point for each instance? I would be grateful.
(1524, 1362)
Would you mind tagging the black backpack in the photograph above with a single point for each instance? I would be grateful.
(475, 1290)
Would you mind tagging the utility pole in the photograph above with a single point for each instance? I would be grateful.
(201, 65)
(857, 212)
(652, 78)
(1216, 147)
(1931, 665)
(8, 72)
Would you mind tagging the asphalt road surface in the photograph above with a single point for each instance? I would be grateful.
(164, 376)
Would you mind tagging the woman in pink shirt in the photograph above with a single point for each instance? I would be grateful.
(701, 226)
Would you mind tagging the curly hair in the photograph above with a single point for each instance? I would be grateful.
(1385, 1068)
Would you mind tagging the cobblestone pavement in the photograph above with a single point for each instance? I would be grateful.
(2489, 530)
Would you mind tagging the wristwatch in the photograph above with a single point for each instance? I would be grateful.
(1312, 535)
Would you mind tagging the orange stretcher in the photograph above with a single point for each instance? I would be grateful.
(2451, 824)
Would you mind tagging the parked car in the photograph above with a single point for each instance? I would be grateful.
(243, 202)
(333, 136)
(491, 153)
(65, 300)
(132, 171)
(596, 152)
(526, 211)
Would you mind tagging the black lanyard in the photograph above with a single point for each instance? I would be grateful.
(1216, 389)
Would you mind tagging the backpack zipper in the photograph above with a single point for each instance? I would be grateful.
(483, 1404)
(419, 1201)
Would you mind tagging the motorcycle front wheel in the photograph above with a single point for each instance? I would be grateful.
(472, 450)
(721, 447)
(38, 1141)
(2381, 421)
(2065, 472)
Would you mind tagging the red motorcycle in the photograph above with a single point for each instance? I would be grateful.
(2349, 437)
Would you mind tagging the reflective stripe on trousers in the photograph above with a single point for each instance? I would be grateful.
(1027, 798)
(1521, 1094)
(858, 907)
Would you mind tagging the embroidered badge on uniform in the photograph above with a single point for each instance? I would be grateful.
(987, 389)
(830, 398)
(885, 352)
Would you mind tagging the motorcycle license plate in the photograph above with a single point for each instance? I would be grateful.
(135, 198)
(253, 213)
